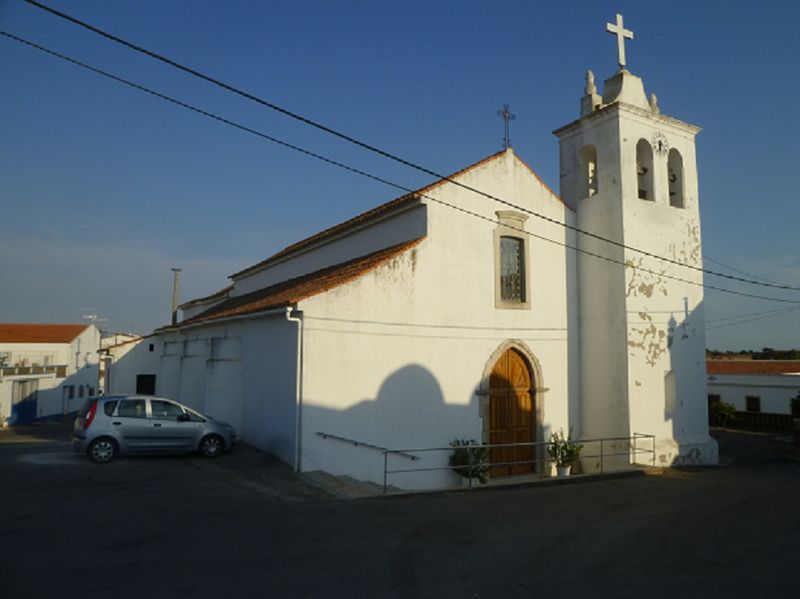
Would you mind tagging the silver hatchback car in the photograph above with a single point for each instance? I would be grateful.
(112, 424)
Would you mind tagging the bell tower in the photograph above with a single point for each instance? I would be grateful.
(629, 172)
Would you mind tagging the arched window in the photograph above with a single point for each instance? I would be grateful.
(644, 170)
(589, 182)
(675, 178)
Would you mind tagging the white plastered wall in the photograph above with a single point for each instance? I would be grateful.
(395, 358)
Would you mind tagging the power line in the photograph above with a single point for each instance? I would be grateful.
(741, 272)
(777, 312)
(390, 156)
(745, 321)
(369, 175)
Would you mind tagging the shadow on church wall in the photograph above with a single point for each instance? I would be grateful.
(409, 412)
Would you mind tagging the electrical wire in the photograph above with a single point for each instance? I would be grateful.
(745, 321)
(741, 272)
(369, 175)
(390, 156)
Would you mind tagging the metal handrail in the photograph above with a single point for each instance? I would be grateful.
(633, 448)
(368, 445)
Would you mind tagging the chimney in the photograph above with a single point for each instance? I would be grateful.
(176, 275)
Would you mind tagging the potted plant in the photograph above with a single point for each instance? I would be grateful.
(469, 460)
(563, 451)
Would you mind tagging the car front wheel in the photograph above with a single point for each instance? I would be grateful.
(212, 446)
(102, 450)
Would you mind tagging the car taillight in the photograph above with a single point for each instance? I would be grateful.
(90, 415)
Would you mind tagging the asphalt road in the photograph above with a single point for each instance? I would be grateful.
(179, 527)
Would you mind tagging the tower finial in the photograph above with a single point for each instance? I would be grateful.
(505, 114)
(654, 104)
(622, 34)
(590, 88)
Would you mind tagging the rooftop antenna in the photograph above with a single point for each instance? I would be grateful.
(91, 315)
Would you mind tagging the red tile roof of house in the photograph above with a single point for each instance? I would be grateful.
(380, 211)
(752, 366)
(289, 292)
(40, 333)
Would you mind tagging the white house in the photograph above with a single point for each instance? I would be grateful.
(483, 306)
(766, 386)
(46, 370)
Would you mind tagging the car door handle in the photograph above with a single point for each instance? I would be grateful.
(156, 425)
(116, 423)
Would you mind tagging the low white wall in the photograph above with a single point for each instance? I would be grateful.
(775, 391)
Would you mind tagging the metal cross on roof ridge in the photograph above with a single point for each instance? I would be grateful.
(619, 30)
(505, 114)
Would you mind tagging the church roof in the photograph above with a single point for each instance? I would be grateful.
(40, 333)
(292, 291)
(753, 366)
(220, 293)
(379, 212)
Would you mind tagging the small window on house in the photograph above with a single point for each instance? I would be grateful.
(80, 390)
(71, 391)
(512, 288)
(644, 170)
(675, 178)
(146, 384)
(152, 347)
(589, 183)
(753, 403)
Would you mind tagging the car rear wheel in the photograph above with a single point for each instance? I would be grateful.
(102, 450)
(212, 446)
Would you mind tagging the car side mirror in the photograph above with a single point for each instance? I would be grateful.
(183, 418)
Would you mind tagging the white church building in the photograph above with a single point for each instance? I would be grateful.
(484, 306)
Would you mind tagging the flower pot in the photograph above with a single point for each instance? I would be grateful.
(563, 471)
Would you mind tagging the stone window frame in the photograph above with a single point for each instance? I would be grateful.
(512, 224)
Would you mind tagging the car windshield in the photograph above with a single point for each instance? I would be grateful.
(194, 416)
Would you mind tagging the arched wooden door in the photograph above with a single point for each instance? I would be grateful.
(511, 415)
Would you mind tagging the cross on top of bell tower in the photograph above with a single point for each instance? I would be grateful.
(622, 34)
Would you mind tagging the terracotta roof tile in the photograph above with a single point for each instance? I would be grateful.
(752, 366)
(291, 291)
(40, 333)
(369, 215)
(212, 296)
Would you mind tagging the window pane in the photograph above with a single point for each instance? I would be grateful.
(165, 410)
(512, 270)
(109, 407)
(132, 408)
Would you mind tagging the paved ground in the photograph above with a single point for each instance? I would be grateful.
(184, 527)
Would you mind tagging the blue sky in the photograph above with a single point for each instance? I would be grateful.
(103, 188)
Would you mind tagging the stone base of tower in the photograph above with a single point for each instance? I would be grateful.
(619, 456)
(688, 451)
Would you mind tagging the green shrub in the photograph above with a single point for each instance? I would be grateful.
(469, 459)
(721, 413)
